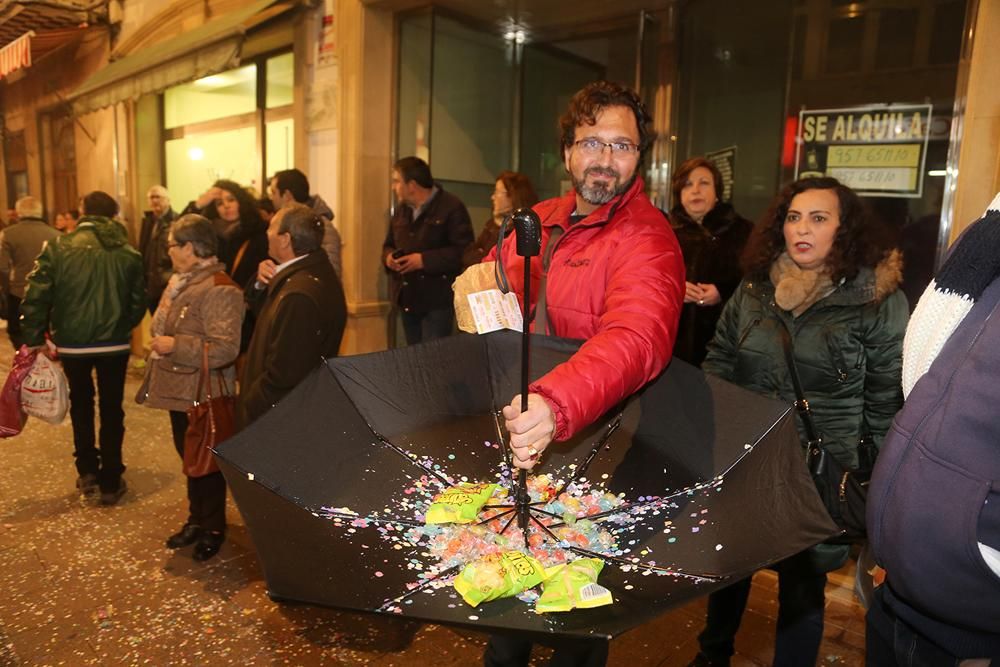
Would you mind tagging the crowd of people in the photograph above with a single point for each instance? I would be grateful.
(248, 292)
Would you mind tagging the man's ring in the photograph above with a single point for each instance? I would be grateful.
(533, 452)
(701, 302)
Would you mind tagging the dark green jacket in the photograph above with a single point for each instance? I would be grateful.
(848, 351)
(87, 290)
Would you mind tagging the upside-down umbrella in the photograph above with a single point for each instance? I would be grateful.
(334, 479)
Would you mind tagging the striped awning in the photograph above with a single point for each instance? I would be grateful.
(16, 55)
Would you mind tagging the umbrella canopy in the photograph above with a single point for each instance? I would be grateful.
(333, 480)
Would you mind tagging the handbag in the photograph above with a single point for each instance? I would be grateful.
(209, 423)
(45, 391)
(843, 490)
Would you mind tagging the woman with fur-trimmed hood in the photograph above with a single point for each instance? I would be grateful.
(813, 266)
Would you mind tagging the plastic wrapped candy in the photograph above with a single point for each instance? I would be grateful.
(573, 585)
(459, 504)
(498, 576)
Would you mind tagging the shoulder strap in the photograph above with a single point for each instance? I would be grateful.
(239, 256)
(221, 279)
(801, 404)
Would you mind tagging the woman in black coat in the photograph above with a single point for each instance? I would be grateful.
(712, 236)
(241, 230)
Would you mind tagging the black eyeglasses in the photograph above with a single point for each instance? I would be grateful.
(175, 244)
(596, 147)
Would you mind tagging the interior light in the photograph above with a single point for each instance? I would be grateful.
(212, 81)
(196, 153)
(937, 172)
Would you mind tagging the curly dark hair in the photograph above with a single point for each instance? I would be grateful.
(857, 242)
(680, 177)
(594, 98)
(249, 215)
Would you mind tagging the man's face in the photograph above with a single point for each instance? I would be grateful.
(600, 175)
(272, 190)
(158, 202)
(400, 188)
(278, 245)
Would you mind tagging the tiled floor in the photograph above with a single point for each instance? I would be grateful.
(88, 585)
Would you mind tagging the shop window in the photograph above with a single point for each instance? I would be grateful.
(16, 160)
(279, 77)
(946, 33)
(211, 127)
(844, 45)
(212, 97)
(897, 30)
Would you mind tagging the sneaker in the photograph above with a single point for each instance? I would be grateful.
(87, 484)
(189, 534)
(112, 497)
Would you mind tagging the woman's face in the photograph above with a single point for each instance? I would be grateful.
(228, 206)
(501, 200)
(182, 255)
(698, 194)
(811, 226)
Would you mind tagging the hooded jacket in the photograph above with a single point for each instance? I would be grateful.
(848, 351)
(331, 237)
(87, 290)
(615, 279)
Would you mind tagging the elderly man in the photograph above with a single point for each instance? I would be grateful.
(87, 292)
(153, 244)
(611, 274)
(290, 186)
(428, 233)
(21, 244)
(300, 309)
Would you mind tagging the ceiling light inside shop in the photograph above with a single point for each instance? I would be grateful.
(195, 153)
(937, 172)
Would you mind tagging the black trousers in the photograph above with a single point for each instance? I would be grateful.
(14, 320)
(206, 495)
(514, 651)
(801, 598)
(106, 463)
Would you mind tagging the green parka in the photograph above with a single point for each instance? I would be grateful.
(848, 351)
(87, 289)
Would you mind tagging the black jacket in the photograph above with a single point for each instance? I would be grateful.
(300, 320)
(712, 256)
(153, 246)
(441, 233)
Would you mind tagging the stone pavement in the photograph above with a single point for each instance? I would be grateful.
(82, 584)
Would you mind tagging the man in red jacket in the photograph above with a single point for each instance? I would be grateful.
(610, 272)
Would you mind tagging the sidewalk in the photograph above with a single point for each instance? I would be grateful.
(82, 584)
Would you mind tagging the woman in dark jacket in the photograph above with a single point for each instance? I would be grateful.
(241, 230)
(712, 236)
(811, 268)
(512, 191)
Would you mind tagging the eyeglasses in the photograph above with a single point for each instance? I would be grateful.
(175, 244)
(596, 147)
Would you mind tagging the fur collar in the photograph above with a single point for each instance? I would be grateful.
(796, 289)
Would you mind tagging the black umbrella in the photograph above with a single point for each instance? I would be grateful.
(332, 480)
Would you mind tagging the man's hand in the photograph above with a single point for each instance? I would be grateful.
(409, 263)
(691, 292)
(530, 431)
(265, 271)
(392, 263)
(709, 295)
(163, 345)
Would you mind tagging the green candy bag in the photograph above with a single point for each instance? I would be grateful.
(459, 504)
(573, 585)
(498, 576)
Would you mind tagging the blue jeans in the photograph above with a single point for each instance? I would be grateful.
(801, 598)
(889, 642)
(420, 327)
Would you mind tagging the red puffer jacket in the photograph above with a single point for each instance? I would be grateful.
(616, 279)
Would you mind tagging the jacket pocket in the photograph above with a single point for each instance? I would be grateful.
(174, 381)
(927, 538)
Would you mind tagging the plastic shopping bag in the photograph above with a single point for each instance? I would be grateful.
(12, 417)
(45, 391)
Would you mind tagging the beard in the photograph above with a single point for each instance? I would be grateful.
(600, 192)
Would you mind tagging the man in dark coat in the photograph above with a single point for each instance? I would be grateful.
(153, 244)
(300, 308)
(423, 250)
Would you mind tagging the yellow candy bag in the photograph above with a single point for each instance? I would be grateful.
(459, 504)
(498, 576)
(573, 585)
